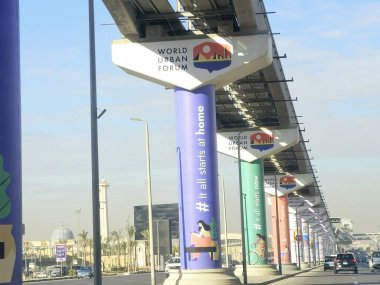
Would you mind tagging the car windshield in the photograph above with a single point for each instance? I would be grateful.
(345, 256)
(376, 254)
(175, 260)
(329, 259)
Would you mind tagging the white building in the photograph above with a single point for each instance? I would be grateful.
(103, 209)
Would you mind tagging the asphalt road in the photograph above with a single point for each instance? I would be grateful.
(319, 277)
(313, 277)
(133, 279)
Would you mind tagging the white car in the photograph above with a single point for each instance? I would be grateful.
(374, 261)
(172, 263)
(40, 275)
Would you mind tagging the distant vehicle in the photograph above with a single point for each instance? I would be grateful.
(58, 272)
(28, 272)
(84, 273)
(345, 262)
(329, 262)
(172, 263)
(374, 261)
(74, 269)
(40, 275)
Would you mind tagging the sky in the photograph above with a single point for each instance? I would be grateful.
(333, 55)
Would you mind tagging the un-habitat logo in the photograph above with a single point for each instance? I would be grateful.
(288, 182)
(261, 141)
(212, 56)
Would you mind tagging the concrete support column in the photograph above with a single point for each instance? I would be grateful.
(254, 212)
(283, 219)
(199, 223)
(255, 225)
(10, 146)
(320, 248)
(292, 235)
(299, 243)
(309, 248)
(198, 187)
(314, 245)
(329, 246)
(306, 261)
(285, 244)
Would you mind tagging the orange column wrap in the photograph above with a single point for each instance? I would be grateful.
(283, 212)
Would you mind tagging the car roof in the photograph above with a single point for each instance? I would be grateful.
(345, 253)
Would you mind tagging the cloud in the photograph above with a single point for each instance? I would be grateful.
(334, 34)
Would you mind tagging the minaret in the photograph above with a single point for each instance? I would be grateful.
(103, 186)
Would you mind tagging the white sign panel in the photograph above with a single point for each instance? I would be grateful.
(286, 183)
(310, 214)
(257, 144)
(309, 201)
(60, 252)
(192, 63)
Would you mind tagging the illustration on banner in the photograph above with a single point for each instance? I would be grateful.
(288, 182)
(204, 241)
(212, 56)
(5, 201)
(261, 141)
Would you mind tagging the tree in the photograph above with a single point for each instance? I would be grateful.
(146, 235)
(175, 250)
(124, 250)
(117, 237)
(130, 242)
(106, 246)
(83, 238)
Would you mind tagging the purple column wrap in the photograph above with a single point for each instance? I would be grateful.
(10, 146)
(198, 178)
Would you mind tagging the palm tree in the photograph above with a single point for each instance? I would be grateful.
(146, 235)
(106, 246)
(130, 242)
(124, 251)
(83, 237)
(117, 236)
(175, 250)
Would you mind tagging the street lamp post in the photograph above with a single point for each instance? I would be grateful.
(150, 214)
(246, 220)
(158, 241)
(94, 149)
(225, 224)
(244, 259)
(77, 212)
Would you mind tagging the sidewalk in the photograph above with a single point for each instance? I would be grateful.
(262, 280)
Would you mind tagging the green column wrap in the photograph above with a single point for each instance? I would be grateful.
(255, 226)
